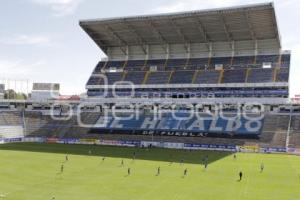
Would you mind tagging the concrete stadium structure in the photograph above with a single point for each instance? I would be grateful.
(212, 63)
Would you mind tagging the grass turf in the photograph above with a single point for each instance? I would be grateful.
(31, 171)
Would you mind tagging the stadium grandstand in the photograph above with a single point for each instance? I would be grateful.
(231, 54)
(189, 105)
(177, 78)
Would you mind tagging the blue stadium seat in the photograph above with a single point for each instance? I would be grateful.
(197, 63)
(168, 122)
(158, 77)
(208, 77)
(136, 77)
(267, 58)
(234, 76)
(99, 67)
(261, 75)
(243, 60)
(285, 60)
(159, 63)
(225, 61)
(176, 64)
(135, 65)
(115, 64)
(182, 77)
(282, 75)
(95, 81)
(112, 77)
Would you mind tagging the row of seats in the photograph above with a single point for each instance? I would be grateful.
(258, 75)
(261, 76)
(196, 63)
(234, 76)
(158, 77)
(11, 118)
(273, 131)
(182, 122)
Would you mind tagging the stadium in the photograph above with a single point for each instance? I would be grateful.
(185, 105)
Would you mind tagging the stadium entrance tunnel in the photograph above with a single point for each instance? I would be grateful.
(150, 154)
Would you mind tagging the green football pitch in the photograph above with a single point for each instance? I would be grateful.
(30, 171)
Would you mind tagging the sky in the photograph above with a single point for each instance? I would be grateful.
(41, 41)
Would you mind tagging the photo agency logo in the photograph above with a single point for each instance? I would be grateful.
(90, 116)
(159, 112)
(61, 111)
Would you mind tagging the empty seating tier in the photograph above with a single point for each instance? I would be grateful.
(95, 81)
(136, 77)
(261, 75)
(267, 58)
(225, 61)
(135, 65)
(234, 76)
(243, 60)
(197, 63)
(182, 77)
(115, 64)
(282, 75)
(159, 64)
(285, 60)
(176, 64)
(158, 77)
(99, 67)
(207, 77)
(238, 69)
(273, 133)
(112, 77)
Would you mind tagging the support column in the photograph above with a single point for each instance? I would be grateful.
(210, 54)
(188, 55)
(255, 51)
(232, 52)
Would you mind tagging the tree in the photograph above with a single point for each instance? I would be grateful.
(11, 94)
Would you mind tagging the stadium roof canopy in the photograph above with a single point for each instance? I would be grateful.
(244, 23)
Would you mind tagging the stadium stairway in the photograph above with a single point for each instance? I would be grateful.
(10, 118)
(274, 131)
(294, 137)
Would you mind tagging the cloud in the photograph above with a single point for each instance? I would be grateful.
(180, 5)
(60, 7)
(287, 3)
(295, 71)
(23, 39)
(15, 74)
(19, 68)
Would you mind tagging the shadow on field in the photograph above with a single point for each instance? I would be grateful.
(153, 154)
